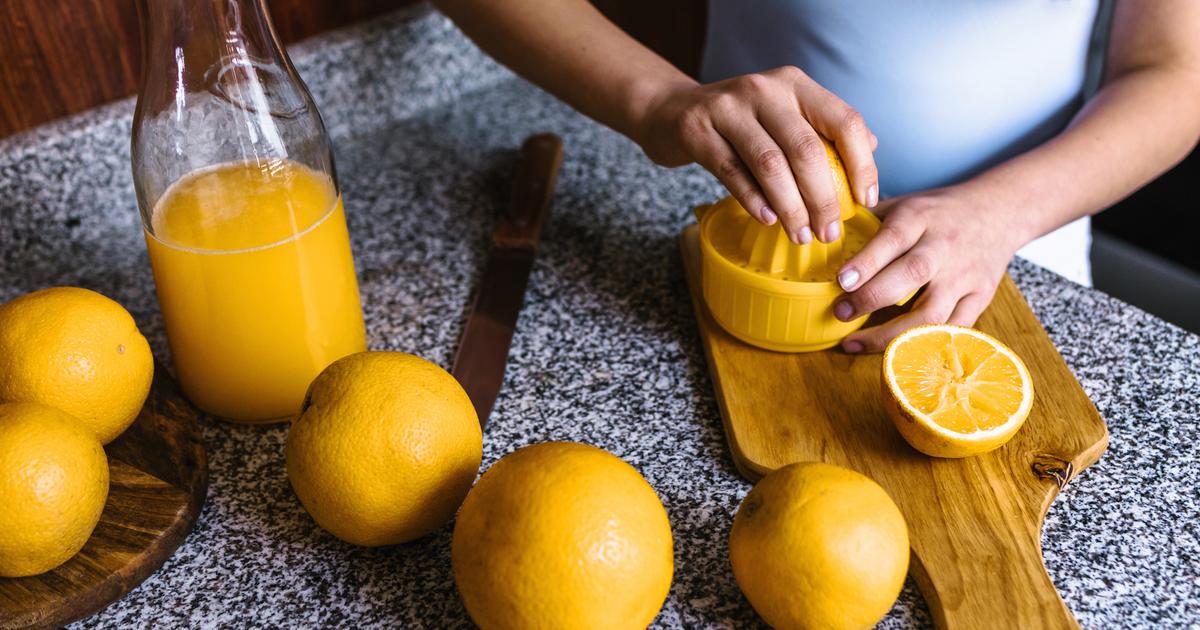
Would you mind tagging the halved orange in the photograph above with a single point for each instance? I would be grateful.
(954, 391)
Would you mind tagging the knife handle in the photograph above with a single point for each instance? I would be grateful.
(533, 186)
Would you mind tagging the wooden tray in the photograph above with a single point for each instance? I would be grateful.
(974, 523)
(158, 480)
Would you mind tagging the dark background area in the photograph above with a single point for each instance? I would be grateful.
(1163, 217)
(59, 57)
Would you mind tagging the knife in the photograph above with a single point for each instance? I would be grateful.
(483, 347)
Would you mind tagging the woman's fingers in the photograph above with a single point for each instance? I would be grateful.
(845, 126)
(889, 243)
(933, 307)
(714, 154)
(771, 168)
(770, 154)
(809, 165)
(887, 206)
(898, 279)
(772, 123)
(936, 306)
(969, 309)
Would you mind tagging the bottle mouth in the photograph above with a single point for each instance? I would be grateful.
(255, 85)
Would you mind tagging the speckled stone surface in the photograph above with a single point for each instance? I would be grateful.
(606, 352)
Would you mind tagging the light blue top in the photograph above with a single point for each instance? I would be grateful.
(950, 87)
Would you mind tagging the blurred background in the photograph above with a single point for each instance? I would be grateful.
(61, 57)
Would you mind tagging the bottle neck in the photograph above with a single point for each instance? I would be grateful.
(190, 40)
(217, 87)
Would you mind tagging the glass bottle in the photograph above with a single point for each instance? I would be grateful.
(241, 210)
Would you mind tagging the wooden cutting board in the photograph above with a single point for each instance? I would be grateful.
(158, 478)
(974, 523)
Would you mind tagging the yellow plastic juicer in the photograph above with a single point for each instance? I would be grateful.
(769, 292)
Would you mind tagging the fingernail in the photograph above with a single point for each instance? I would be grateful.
(833, 231)
(805, 235)
(848, 279)
(873, 196)
(843, 311)
(767, 215)
(852, 347)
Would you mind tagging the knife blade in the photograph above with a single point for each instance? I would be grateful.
(483, 348)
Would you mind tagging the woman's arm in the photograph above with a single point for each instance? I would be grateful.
(1144, 120)
(758, 133)
(959, 239)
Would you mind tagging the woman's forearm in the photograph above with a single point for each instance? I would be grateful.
(1144, 119)
(572, 51)
(759, 134)
(1112, 148)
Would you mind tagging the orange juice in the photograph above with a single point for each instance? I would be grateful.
(256, 285)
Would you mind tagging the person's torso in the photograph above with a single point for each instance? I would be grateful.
(950, 87)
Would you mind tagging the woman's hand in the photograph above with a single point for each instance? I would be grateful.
(956, 241)
(758, 134)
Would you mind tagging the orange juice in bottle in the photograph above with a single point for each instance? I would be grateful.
(241, 210)
(256, 284)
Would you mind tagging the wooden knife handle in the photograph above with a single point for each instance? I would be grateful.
(533, 186)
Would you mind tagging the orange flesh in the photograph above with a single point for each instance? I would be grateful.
(958, 381)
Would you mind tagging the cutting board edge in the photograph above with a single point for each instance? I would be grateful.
(745, 465)
(753, 470)
(1093, 452)
(1052, 610)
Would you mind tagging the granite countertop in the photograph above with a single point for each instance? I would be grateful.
(606, 351)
